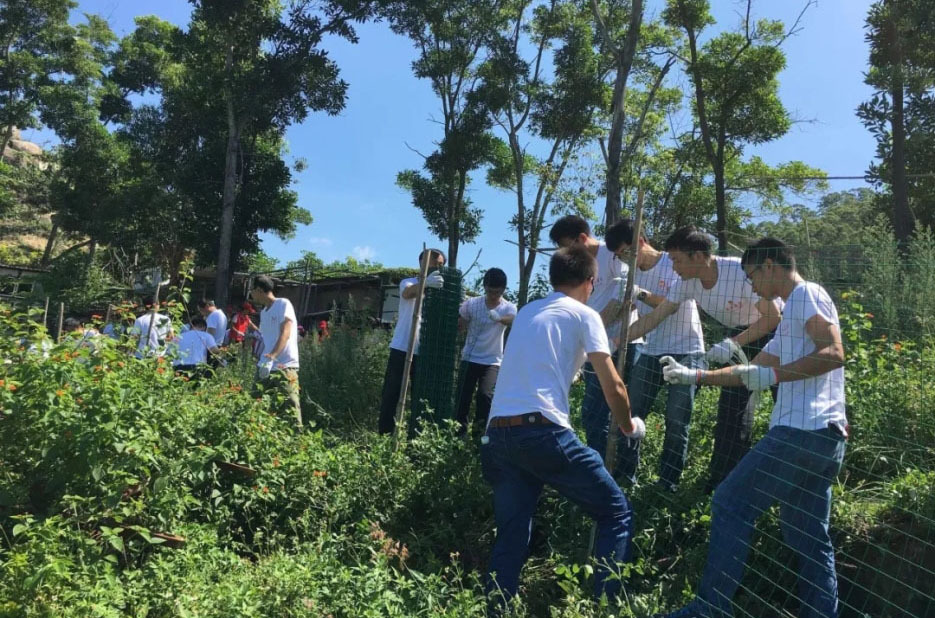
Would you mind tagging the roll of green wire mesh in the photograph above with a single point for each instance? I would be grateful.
(433, 386)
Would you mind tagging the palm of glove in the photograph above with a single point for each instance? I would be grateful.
(674, 372)
(722, 353)
(435, 280)
(756, 377)
(493, 315)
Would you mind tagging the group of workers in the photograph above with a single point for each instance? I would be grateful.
(780, 333)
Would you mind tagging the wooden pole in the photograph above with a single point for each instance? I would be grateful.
(45, 314)
(413, 330)
(610, 452)
(107, 314)
(61, 322)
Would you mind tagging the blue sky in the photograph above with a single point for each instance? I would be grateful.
(349, 185)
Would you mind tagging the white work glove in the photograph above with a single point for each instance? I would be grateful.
(756, 377)
(639, 429)
(264, 367)
(721, 353)
(639, 293)
(493, 315)
(435, 280)
(674, 372)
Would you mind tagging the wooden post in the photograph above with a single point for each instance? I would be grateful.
(610, 452)
(107, 314)
(414, 328)
(61, 321)
(45, 314)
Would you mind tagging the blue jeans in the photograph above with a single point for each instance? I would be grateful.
(795, 468)
(517, 462)
(644, 385)
(595, 413)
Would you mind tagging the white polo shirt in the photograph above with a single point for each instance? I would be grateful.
(549, 342)
(818, 401)
(680, 333)
(731, 300)
(400, 339)
(610, 284)
(159, 332)
(218, 321)
(193, 346)
(483, 343)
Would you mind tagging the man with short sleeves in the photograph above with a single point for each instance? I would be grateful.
(607, 300)
(679, 336)
(486, 319)
(194, 346)
(151, 341)
(797, 460)
(399, 345)
(278, 369)
(719, 287)
(215, 319)
(529, 441)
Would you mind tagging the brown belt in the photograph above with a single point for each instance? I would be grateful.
(532, 418)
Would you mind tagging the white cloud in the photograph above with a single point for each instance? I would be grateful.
(320, 241)
(364, 253)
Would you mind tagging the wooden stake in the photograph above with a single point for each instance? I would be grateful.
(45, 314)
(61, 321)
(414, 328)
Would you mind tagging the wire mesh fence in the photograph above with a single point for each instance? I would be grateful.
(822, 486)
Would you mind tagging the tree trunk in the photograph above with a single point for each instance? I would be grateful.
(720, 197)
(49, 245)
(222, 280)
(454, 233)
(901, 216)
(7, 136)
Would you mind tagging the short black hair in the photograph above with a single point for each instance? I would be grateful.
(495, 278)
(768, 248)
(264, 283)
(71, 324)
(569, 226)
(431, 251)
(689, 239)
(620, 233)
(199, 322)
(205, 302)
(571, 266)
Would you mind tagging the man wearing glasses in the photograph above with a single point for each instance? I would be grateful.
(719, 287)
(606, 299)
(797, 460)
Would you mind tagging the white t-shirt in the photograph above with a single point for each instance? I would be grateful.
(404, 319)
(271, 319)
(680, 333)
(816, 402)
(483, 343)
(610, 284)
(731, 301)
(218, 321)
(160, 332)
(549, 342)
(193, 346)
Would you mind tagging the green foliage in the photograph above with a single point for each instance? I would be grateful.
(80, 281)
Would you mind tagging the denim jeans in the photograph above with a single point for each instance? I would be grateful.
(733, 431)
(644, 385)
(517, 462)
(795, 468)
(482, 379)
(595, 413)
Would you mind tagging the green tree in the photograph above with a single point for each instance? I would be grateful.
(525, 105)
(735, 92)
(451, 37)
(901, 112)
(35, 39)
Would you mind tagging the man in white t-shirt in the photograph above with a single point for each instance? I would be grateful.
(278, 369)
(193, 349)
(679, 336)
(797, 460)
(529, 441)
(216, 320)
(607, 300)
(399, 345)
(151, 341)
(719, 287)
(485, 318)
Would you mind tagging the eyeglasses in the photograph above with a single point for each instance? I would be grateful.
(753, 270)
